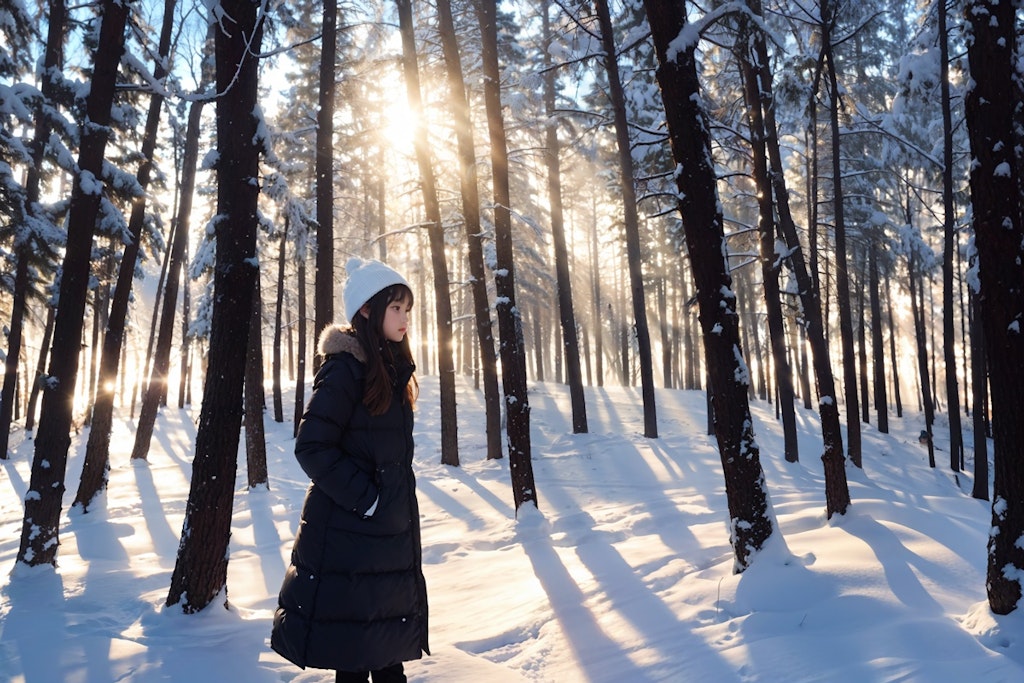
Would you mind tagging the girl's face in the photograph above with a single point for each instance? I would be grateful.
(396, 320)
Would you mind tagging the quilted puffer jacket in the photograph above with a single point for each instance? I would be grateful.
(354, 597)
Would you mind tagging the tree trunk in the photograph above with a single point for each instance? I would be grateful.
(812, 194)
(750, 518)
(435, 231)
(323, 278)
(979, 387)
(928, 313)
(185, 381)
(474, 238)
(300, 351)
(254, 397)
(510, 325)
(877, 347)
(837, 491)
(97, 452)
(772, 252)
(999, 237)
(278, 324)
(289, 323)
(46, 488)
(634, 255)
(595, 293)
(956, 438)
(567, 317)
(917, 312)
(200, 572)
(53, 60)
(895, 364)
(842, 274)
(156, 388)
(860, 264)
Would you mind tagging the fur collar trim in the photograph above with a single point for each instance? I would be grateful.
(337, 339)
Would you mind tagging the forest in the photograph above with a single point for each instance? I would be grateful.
(799, 202)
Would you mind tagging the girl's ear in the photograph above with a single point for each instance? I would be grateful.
(365, 311)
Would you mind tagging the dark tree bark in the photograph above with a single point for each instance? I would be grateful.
(39, 535)
(254, 397)
(323, 278)
(917, 312)
(300, 351)
(634, 256)
(567, 317)
(435, 233)
(53, 60)
(97, 451)
(999, 237)
(894, 359)
(860, 263)
(200, 572)
(468, 184)
(979, 387)
(842, 274)
(278, 324)
(877, 346)
(956, 438)
(511, 348)
(750, 518)
(837, 490)
(185, 375)
(156, 389)
(771, 260)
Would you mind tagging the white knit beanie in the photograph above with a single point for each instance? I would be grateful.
(366, 278)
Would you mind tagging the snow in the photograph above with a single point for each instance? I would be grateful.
(624, 573)
(89, 183)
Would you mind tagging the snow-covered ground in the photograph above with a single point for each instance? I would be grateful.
(624, 573)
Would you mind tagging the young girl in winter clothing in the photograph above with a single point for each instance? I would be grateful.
(354, 598)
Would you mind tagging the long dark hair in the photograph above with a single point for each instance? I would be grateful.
(383, 356)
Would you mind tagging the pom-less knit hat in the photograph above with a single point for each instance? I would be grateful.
(366, 278)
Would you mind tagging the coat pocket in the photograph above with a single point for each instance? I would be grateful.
(394, 512)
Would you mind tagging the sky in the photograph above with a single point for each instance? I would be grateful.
(623, 572)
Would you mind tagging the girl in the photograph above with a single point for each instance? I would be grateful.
(354, 598)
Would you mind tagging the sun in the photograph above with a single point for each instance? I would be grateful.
(398, 121)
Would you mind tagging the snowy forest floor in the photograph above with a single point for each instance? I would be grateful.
(624, 573)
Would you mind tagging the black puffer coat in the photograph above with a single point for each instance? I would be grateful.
(354, 597)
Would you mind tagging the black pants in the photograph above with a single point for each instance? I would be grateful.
(391, 674)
